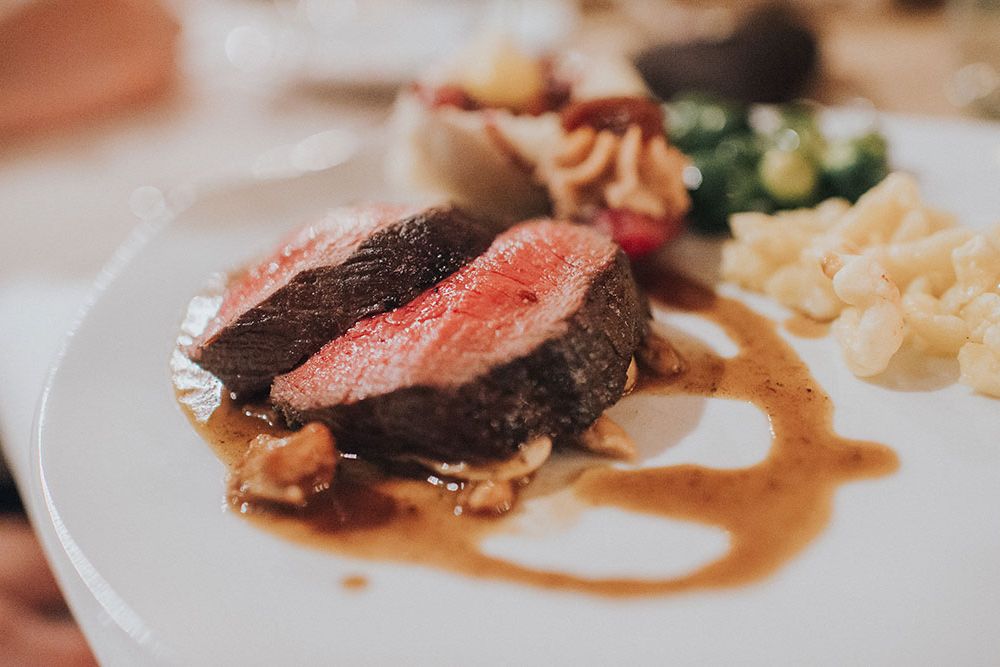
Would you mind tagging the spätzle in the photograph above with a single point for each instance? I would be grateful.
(889, 272)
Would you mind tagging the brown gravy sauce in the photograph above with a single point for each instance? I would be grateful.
(354, 582)
(805, 327)
(770, 510)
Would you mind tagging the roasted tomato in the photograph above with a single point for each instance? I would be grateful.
(637, 233)
(615, 114)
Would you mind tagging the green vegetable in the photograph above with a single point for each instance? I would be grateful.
(789, 176)
(851, 168)
(775, 158)
(744, 149)
(745, 192)
(697, 122)
(725, 186)
(709, 210)
(801, 120)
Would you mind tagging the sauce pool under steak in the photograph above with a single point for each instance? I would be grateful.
(770, 510)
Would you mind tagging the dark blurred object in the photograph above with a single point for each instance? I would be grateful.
(770, 57)
(9, 500)
(851, 167)
(64, 61)
(920, 5)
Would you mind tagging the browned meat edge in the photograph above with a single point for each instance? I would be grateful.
(387, 270)
(557, 389)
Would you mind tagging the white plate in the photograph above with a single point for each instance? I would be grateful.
(907, 572)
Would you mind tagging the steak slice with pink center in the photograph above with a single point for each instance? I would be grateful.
(322, 279)
(532, 338)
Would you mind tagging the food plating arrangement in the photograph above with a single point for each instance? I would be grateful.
(392, 382)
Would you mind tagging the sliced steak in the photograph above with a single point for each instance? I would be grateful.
(353, 264)
(532, 338)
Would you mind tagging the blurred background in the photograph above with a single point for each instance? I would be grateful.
(115, 112)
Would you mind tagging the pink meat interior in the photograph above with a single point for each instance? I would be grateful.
(325, 243)
(509, 300)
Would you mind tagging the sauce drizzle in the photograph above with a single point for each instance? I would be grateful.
(771, 510)
(802, 326)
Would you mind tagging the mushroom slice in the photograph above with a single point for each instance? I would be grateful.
(527, 460)
(606, 438)
(286, 471)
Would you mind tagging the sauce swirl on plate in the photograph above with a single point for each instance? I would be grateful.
(771, 510)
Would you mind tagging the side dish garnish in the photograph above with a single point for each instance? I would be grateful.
(614, 169)
(766, 158)
(515, 135)
(890, 272)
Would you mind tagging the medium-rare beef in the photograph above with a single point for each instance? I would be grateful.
(533, 338)
(354, 263)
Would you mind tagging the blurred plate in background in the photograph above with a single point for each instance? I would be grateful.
(384, 43)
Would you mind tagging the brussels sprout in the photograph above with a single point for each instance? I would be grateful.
(852, 167)
(766, 159)
(791, 127)
(799, 116)
(709, 209)
(745, 192)
(696, 122)
(789, 176)
(744, 149)
(726, 187)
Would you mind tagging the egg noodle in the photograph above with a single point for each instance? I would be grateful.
(890, 272)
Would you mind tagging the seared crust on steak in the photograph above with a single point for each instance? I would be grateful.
(400, 258)
(555, 388)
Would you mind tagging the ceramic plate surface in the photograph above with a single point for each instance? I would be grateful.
(907, 572)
